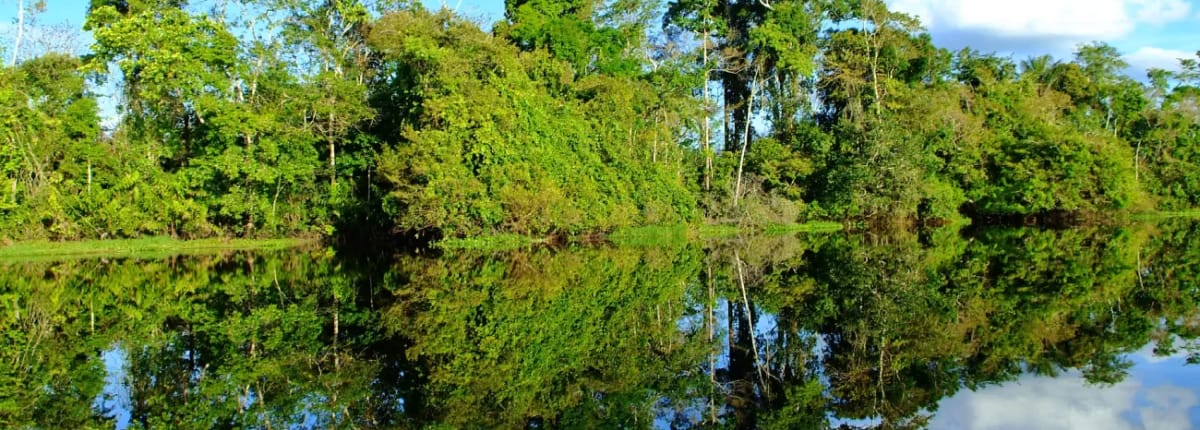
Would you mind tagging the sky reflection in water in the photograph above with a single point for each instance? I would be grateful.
(1159, 393)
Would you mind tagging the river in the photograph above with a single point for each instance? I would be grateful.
(989, 328)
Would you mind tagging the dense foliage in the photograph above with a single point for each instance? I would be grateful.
(286, 117)
(516, 141)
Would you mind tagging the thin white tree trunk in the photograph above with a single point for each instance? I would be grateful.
(20, 31)
(712, 329)
(1137, 162)
(332, 154)
(707, 118)
(737, 190)
(758, 364)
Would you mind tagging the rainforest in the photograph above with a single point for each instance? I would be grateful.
(644, 214)
(566, 118)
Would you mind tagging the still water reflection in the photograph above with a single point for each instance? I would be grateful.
(1003, 328)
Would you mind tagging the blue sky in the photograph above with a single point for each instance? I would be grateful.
(1150, 33)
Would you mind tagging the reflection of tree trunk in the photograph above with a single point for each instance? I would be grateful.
(742, 395)
(758, 364)
(266, 416)
(337, 361)
(741, 389)
(712, 331)
(185, 378)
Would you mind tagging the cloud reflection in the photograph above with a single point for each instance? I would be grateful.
(1069, 402)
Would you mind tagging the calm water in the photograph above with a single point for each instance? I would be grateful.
(1005, 328)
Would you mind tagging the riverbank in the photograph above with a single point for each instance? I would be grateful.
(141, 248)
(638, 236)
(632, 236)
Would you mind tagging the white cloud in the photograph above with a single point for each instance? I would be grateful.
(1025, 27)
(1159, 12)
(1151, 57)
(1024, 18)
(1166, 407)
(1067, 402)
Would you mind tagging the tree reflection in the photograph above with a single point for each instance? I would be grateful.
(817, 331)
(560, 339)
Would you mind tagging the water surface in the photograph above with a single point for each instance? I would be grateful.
(987, 329)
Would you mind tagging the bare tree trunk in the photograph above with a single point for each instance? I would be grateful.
(1137, 161)
(332, 154)
(875, 80)
(20, 31)
(654, 150)
(332, 164)
(873, 53)
(708, 161)
(737, 190)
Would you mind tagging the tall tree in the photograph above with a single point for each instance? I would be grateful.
(329, 37)
(1102, 65)
(175, 69)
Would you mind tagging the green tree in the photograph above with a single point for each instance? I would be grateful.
(175, 68)
(495, 145)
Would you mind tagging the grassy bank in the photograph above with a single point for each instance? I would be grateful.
(499, 242)
(652, 235)
(141, 248)
(808, 227)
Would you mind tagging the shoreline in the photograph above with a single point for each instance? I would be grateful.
(142, 247)
(636, 236)
(628, 236)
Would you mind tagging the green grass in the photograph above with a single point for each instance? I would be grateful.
(718, 231)
(808, 227)
(499, 242)
(152, 247)
(726, 231)
(650, 235)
